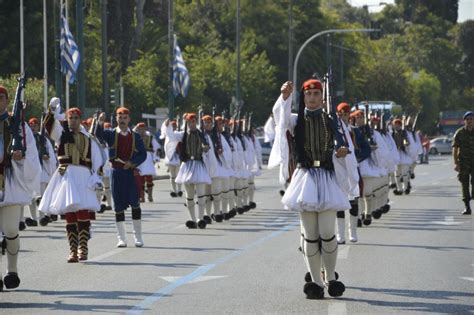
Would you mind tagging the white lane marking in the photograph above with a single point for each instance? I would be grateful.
(198, 279)
(337, 308)
(467, 278)
(448, 220)
(343, 253)
(105, 255)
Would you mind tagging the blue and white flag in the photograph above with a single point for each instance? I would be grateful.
(70, 57)
(181, 80)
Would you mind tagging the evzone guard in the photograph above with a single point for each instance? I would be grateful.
(72, 189)
(145, 171)
(48, 160)
(19, 179)
(171, 159)
(314, 190)
(193, 173)
(126, 153)
(361, 150)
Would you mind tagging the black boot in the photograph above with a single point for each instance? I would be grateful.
(467, 211)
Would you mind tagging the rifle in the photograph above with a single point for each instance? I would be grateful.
(332, 111)
(18, 143)
(367, 128)
(42, 140)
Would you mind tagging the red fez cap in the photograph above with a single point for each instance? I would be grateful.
(344, 107)
(207, 117)
(190, 116)
(312, 84)
(3, 90)
(397, 121)
(74, 111)
(141, 125)
(33, 121)
(89, 121)
(123, 111)
(107, 125)
(218, 118)
(357, 113)
(375, 119)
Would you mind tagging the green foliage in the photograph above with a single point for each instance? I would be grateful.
(33, 94)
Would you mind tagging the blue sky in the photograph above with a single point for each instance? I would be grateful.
(465, 12)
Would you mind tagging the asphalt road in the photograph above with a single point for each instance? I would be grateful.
(418, 258)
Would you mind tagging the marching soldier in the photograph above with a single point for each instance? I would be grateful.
(193, 172)
(463, 154)
(71, 191)
(314, 190)
(146, 170)
(19, 179)
(47, 158)
(126, 153)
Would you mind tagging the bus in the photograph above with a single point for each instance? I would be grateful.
(450, 121)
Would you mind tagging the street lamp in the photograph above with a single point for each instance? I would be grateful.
(295, 66)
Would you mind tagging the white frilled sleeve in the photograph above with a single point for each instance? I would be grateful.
(209, 158)
(269, 130)
(345, 168)
(284, 121)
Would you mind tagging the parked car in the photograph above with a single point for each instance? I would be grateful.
(441, 145)
(266, 149)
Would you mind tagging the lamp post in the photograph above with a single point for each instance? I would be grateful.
(309, 40)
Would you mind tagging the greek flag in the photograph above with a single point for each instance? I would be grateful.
(70, 57)
(181, 80)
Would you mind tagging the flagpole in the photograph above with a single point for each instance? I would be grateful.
(67, 75)
(45, 54)
(171, 53)
(22, 45)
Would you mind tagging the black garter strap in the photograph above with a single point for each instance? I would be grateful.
(329, 239)
(12, 238)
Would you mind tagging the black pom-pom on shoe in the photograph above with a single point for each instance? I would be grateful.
(31, 222)
(407, 191)
(313, 291)
(367, 220)
(173, 194)
(386, 208)
(336, 288)
(11, 280)
(219, 218)
(202, 224)
(54, 217)
(180, 194)
(22, 226)
(252, 205)
(397, 192)
(307, 277)
(232, 213)
(44, 221)
(207, 219)
(359, 223)
(247, 208)
(191, 224)
(226, 216)
(240, 210)
(282, 192)
(377, 214)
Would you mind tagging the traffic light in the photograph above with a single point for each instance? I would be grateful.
(378, 34)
